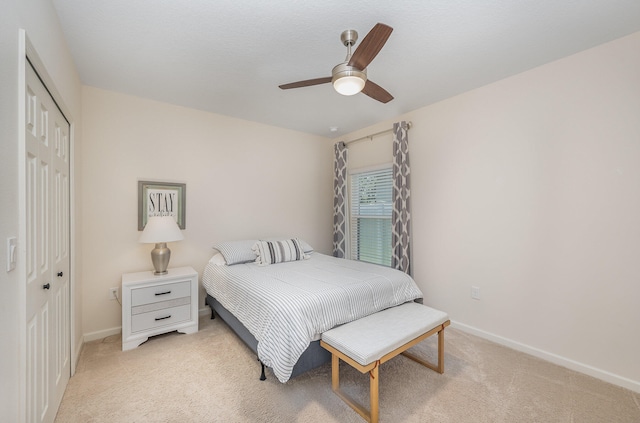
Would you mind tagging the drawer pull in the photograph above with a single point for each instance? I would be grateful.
(162, 318)
(163, 293)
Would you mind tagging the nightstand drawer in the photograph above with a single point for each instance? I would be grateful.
(159, 318)
(154, 294)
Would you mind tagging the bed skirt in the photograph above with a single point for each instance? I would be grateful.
(314, 356)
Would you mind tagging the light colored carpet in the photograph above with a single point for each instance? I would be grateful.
(211, 376)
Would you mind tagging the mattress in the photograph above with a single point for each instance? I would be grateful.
(287, 305)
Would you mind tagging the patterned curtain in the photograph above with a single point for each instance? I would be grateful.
(339, 200)
(401, 214)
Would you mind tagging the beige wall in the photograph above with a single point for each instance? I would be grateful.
(43, 30)
(244, 180)
(529, 188)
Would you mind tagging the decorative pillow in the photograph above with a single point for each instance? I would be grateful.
(271, 252)
(235, 252)
(304, 244)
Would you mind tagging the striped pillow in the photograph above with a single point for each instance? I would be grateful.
(235, 252)
(271, 252)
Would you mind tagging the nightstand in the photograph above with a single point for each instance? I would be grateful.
(152, 304)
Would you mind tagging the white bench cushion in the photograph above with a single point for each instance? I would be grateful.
(368, 339)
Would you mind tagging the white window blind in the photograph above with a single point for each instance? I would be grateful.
(370, 215)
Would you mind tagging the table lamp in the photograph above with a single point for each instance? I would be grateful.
(160, 230)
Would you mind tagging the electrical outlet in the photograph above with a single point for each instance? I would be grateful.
(113, 293)
(475, 292)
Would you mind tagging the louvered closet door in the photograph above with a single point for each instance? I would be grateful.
(47, 252)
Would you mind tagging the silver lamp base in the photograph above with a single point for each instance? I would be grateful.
(160, 256)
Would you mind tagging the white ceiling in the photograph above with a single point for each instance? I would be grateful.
(229, 56)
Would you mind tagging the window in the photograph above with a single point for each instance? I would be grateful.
(370, 215)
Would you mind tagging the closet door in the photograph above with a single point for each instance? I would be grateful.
(47, 252)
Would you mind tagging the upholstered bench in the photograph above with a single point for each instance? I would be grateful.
(368, 342)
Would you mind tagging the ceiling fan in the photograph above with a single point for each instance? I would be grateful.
(350, 76)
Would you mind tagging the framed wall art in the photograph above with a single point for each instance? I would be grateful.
(161, 199)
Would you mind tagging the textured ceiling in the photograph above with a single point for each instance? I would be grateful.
(229, 56)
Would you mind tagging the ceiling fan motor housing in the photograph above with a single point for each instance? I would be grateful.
(342, 70)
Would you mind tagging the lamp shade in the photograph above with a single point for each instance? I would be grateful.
(161, 229)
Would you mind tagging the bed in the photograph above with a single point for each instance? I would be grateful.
(279, 306)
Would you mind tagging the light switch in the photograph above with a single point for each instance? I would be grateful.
(12, 252)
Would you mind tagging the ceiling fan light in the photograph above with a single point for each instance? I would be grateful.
(348, 85)
(348, 80)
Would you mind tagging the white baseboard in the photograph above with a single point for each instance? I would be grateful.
(204, 311)
(92, 336)
(553, 358)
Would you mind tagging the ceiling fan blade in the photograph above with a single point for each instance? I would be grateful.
(306, 83)
(376, 92)
(370, 46)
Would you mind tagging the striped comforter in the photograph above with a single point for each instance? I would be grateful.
(285, 306)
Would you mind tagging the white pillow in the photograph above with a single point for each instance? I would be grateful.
(218, 259)
(305, 246)
(271, 252)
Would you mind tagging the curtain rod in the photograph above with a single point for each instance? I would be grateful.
(370, 137)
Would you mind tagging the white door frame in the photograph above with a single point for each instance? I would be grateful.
(26, 50)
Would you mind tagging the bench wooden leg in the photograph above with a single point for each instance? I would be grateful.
(369, 415)
(335, 372)
(373, 394)
(441, 351)
(440, 366)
